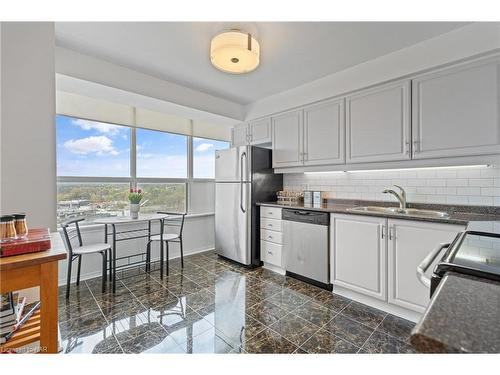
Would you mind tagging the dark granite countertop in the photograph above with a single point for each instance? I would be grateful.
(460, 215)
(462, 317)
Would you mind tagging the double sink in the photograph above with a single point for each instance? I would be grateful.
(399, 211)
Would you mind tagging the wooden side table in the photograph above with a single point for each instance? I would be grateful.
(26, 271)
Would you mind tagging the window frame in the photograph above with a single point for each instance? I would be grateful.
(133, 180)
(202, 179)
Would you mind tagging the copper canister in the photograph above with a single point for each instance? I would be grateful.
(20, 224)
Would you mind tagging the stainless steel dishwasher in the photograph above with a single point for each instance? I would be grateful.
(305, 245)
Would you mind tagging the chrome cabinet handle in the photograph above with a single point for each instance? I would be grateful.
(270, 237)
(391, 234)
(382, 234)
(426, 263)
(269, 225)
(270, 252)
(416, 147)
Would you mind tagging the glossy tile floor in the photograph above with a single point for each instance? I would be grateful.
(215, 306)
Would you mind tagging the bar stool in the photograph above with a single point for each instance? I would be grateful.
(71, 231)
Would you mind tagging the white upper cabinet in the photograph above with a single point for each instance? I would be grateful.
(240, 135)
(378, 124)
(358, 254)
(260, 131)
(409, 244)
(324, 133)
(456, 110)
(287, 139)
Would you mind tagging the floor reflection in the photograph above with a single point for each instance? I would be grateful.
(215, 306)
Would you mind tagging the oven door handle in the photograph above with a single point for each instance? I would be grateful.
(426, 263)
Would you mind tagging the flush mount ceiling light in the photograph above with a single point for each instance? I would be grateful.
(235, 52)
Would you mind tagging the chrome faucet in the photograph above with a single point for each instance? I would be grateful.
(401, 197)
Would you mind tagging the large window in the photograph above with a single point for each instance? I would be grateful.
(204, 156)
(98, 162)
(89, 148)
(161, 154)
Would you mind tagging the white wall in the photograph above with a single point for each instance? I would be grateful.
(28, 161)
(470, 40)
(469, 186)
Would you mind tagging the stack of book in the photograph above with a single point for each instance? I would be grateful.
(11, 314)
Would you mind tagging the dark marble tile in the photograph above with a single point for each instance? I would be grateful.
(397, 327)
(288, 300)
(210, 341)
(199, 300)
(350, 330)
(301, 287)
(83, 325)
(266, 312)
(237, 328)
(184, 288)
(269, 341)
(264, 290)
(332, 301)
(153, 341)
(141, 288)
(109, 299)
(78, 295)
(180, 326)
(382, 343)
(270, 276)
(315, 313)
(252, 299)
(77, 310)
(300, 351)
(364, 314)
(128, 329)
(207, 281)
(325, 342)
(294, 329)
(108, 346)
(123, 310)
(159, 298)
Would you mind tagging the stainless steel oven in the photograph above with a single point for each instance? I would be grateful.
(472, 252)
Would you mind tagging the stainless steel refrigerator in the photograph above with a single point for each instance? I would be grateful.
(243, 176)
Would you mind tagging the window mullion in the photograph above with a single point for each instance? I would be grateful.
(133, 154)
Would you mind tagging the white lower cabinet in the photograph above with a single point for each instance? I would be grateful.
(378, 257)
(271, 241)
(409, 243)
(359, 248)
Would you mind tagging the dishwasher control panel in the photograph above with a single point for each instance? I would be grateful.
(306, 216)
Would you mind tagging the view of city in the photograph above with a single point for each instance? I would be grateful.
(97, 200)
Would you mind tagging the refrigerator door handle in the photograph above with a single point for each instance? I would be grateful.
(243, 155)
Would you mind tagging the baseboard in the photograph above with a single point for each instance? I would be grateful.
(91, 275)
(274, 268)
(381, 305)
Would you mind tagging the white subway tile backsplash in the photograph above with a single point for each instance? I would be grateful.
(474, 186)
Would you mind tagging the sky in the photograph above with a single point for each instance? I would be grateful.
(89, 148)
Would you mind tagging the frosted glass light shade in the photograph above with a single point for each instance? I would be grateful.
(235, 52)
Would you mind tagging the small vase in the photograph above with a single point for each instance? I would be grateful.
(134, 210)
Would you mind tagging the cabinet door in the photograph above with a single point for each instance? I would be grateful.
(324, 133)
(287, 140)
(240, 135)
(456, 111)
(409, 243)
(378, 124)
(260, 131)
(358, 261)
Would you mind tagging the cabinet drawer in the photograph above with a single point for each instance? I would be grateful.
(270, 212)
(271, 236)
(270, 253)
(271, 224)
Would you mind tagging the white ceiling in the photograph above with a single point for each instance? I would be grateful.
(292, 53)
